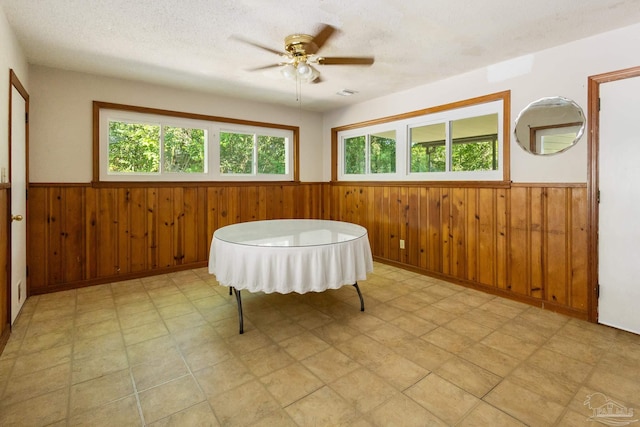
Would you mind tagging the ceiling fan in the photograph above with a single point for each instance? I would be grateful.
(301, 53)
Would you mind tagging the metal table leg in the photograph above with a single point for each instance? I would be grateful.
(239, 300)
(360, 295)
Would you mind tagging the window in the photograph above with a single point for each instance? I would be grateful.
(370, 154)
(464, 142)
(135, 144)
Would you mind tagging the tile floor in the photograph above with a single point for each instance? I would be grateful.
(165, 351)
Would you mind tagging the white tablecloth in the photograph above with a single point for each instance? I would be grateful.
(265, 265)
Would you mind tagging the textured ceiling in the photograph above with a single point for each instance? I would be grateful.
(188, 44)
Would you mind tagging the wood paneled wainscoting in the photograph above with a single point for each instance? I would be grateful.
(524, 241)
(81, 235)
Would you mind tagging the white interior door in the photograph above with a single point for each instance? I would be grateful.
(18, 203)
(619, 185)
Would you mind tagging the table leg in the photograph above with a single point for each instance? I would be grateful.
(239, 300)
(360, 295)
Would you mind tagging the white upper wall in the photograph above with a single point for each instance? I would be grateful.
(61, 123)
(60, 126)
(562, 71)
(11, 57)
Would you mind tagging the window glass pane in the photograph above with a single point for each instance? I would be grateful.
(355, 155)
(382, 152)
(271, 155)
(184, 150)
(236, 153)
(475, 143)
(134, 147)
(428, 151)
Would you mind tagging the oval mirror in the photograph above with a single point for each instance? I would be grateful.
(549, 125)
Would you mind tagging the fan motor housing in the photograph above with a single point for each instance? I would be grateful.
(296, 43)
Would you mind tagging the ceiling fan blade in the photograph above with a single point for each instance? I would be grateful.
(346, 60)
(264, 67)
(320, 39)
(259, 46)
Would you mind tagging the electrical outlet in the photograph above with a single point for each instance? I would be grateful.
(401, 244)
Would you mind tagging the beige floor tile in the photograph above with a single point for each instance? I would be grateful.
(197, 415)
(422, 353)
(121, 413)
(6, 367)
(175, 310)
(437, 342)
(522, 330)
(448, 340)
(40, 411)
(323, 407)
(544, 383)
(278, 418)
(413, 324)
(524, 405)
(207, 354)
(365, 351)
(196, 336)
(335, 332)
(303, 345)
(93, 393)
(561, 365)
(20, 388)
(469, 377)
(363, 389)
(97, 365)
(96, 329)
(244, 405)
(151, 350)
(403, 411)
(129, 320)
(490, 359)
(487, 415)
(486, 318)
(169, 398)
(45, 341)
(468, 328)
(584, 352)
(186, 321)
(330, 364)
(144, 332)
(266, 360)
(46, 326)
(223, 377)
(156, 372)
(442, 398)
(41, 360)
(499, 307)
(292, 383)
(508, 344)
(389, 335)
(399, 371)
(574, 419)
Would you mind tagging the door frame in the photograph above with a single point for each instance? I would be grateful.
(593, 170)
(14, 82)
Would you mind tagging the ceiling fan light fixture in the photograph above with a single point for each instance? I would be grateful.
(289, 71)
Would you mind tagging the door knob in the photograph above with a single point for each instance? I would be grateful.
(16, 217)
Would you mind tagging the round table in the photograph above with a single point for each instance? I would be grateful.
(290, 255)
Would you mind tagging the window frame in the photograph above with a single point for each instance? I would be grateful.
(104, 111)
(489, 104)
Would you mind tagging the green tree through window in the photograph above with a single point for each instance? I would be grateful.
(134, 147)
